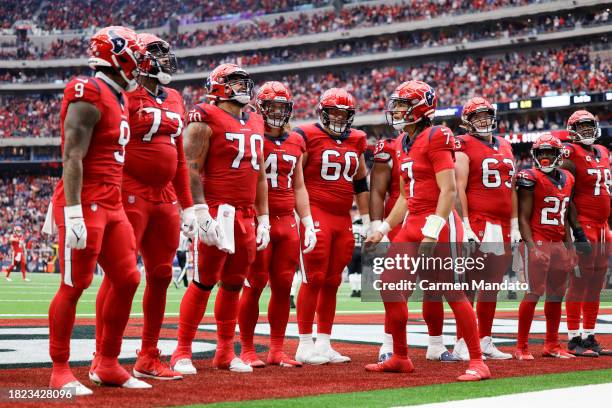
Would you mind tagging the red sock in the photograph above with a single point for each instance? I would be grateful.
(62, 313)
(116, 312)
(326, 309)
(248, 313)
(306, 306)
(23, 270)
(226, 311)
(396, 316)
(191, 313)
(278, 316)
(573, 311)
(526, 312)
(8, 271)
(100, 299)
(486, 314)
(590, 310)
(154, 306)
(552, 311)
(433, 314)
(466, 320)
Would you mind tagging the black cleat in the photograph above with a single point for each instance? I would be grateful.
(591, 344)
(292, 304)
(511, 295)
(577, 347)
(354, 294)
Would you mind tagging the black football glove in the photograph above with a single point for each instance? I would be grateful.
(583, 246)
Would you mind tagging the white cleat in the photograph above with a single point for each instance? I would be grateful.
(135, 383)
(79, 389)
(239, 366)
(460, 351)
(185, 367)
(332, 355)
(306, 354)
(26, 280)
(490, 351)
(9, 279)
(440, 353)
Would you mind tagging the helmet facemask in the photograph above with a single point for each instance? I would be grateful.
(239, 87)
(547, 158)
(336, 119)
(275, 113)
(130, 76)
(585, 132)
(162, 62)
(397, 112)
(481, 123)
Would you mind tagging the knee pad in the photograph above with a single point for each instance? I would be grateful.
(257, 282)
(232, 285)
(161, 275)
(71, 292)
(281, 285)
(316, 280)
(206, 288)
(333, 281)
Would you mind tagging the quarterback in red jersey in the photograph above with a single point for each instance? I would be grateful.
(334, 171)
(154, 176)
(543, 195)
(277, 263)
(485, 186)
(428, 193)
(86, 206)
(224, 147)
(18, 254)
(588, 216)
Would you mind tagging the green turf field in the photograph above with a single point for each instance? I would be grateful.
(435, 393)
(20, 299)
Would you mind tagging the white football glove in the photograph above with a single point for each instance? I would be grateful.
(468, 234)
(263, 232)
(365, 220)
(515, 233)
(189, 224)
(209, 230)
(76, 231)
(310, 235)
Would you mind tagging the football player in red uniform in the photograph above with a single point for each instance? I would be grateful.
(334, 171)
(484, 169)
(543, 195)
(589, 214)
(277, 263)
(428, 194)
(154, 177)
(18, 254)
(86, 206)
(224, 147)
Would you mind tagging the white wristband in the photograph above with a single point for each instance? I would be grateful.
(307, 222)
(433, 226)
(514, 223)
(263, 219)
(365, 219)
(374, 225)
(384, 228)
(74, 211)
(200, 207)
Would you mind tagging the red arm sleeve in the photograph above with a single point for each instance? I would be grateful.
(441, 149)
(181, 178)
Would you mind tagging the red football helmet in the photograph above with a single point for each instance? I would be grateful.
(479, 125)
(274, 103)
(583, 127)
(229, 82)
(339, 99)
(418, 98)
(159, 62)
(118, 48)
(18, 230)
(546, 152)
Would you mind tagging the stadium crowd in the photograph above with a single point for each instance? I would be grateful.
(254, 29)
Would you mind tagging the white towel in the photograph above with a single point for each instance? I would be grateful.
(493, 239)
(225, 218)
(49, 226)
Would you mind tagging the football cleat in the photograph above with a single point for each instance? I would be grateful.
(592, 344)
(184, 366)
(306, 354)
(556, 351)
(94, 363)
(281, 359)
(577, 347)
(250, 358)
(65, 380)
(440, 353)
(523, 354)
(384, 356)
(230, 362)
(490, 351)
(477, 371)
(116, 376)
(332, 355)
(8, 279)
(392, 365)
(150, 366)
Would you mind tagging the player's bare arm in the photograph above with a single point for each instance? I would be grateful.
(261, 199)
(462, 171)
(448, 192)
(397, 215)
(525, 209)
(302, 201)
(81, 118)
(196, 143)
(380, 177)
(360, 184)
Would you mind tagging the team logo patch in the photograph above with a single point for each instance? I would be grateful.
(119, 43)
(94, 207)
(429, 96)
(131, 199)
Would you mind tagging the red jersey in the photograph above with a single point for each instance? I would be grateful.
(103, 163)
(551, 196)
(232, 164)
(593, 181)
(332, 163)
(491, 169)
(17, 243)
(386, 151)
(155, 155)
(430, 152)
(281, 155)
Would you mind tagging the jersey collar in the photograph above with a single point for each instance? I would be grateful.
(161, 95)
(115, 89)
(494, 142)
(277, 140)
(341, 138)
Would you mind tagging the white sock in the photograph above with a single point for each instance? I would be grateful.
(306, 339)
(587, 332)
(435, 341)
(353, 281)
(387, 340)
(323, 339)
(573, 333)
